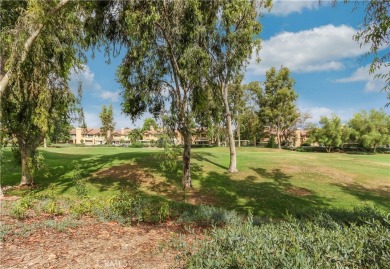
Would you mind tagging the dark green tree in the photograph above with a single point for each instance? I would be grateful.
(34, 70)
(166, 59)
(330, 134)
(149, 122)
(277, 102)
(371, 129)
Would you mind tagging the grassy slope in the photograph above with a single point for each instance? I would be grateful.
(270, 182)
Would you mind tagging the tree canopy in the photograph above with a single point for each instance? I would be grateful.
(277, 102)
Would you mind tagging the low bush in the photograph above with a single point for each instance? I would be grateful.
(136, 145)
(293, 243)
(208, 216)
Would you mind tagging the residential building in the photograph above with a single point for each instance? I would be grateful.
(93, 136)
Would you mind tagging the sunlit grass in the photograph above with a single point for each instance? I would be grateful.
(269, 182)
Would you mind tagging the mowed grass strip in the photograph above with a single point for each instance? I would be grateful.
(269, 182)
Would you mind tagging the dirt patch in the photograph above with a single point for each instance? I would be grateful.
(296, 191)
(94, 245)
(129, 172)
(145, 180)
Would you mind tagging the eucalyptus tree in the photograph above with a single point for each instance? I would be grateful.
(235, 38)
(277, 101)
(166, 61)
(25, 20)
(37, 57)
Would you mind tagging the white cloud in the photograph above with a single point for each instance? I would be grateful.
(318, 49)
(87, 78)
(362, 74)
(107, 95)
(318, 112)
(286, 7)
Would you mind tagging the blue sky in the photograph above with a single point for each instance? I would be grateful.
(314, 42)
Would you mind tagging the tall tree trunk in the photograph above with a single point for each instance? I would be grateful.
(26, 175)
(1, 159)
(279, 142)
(232, 146)
(239, 135)
(186, 180)
(254, 141)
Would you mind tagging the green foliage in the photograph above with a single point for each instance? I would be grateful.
(148, 123)
(136, 145)
(170, 155)
(107, 120)
(371, 129)
(79, 182)
(330, 134)
(51, 207)
(208, 216)
(16, 156)
(277, 102)
(36, 164)
(321, 243)
(271, 143)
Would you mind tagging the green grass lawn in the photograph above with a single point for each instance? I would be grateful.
(269, 182)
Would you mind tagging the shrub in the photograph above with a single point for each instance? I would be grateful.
(293, 244)
(136, 145)
(207, 216)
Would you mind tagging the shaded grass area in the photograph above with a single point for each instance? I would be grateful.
(269, 182)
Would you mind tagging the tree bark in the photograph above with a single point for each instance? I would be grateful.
(232, 146)
(279, 142)
(239, 135)
(26, 175)
(186, 180)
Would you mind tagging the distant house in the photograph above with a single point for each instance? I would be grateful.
(121, 136)
(151, 135)
(296, 137)
(200, 136)
(93, 136)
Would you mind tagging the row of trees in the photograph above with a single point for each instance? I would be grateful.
(366, 129)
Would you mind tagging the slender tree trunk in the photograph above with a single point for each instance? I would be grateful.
(239, 135)
(1, 153)
(186, 180)
(26, 175)
(232, 146)
(254, 141)
(279, 142)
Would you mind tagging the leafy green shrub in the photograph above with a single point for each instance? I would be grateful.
(207, 216)
(51, 207)
(83, 207)
(136, 145)
(79, 183)
(293, 244)
(20, 207)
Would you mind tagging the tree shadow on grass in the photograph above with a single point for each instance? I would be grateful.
(272, 197)
(200, 156)
(379, 196)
